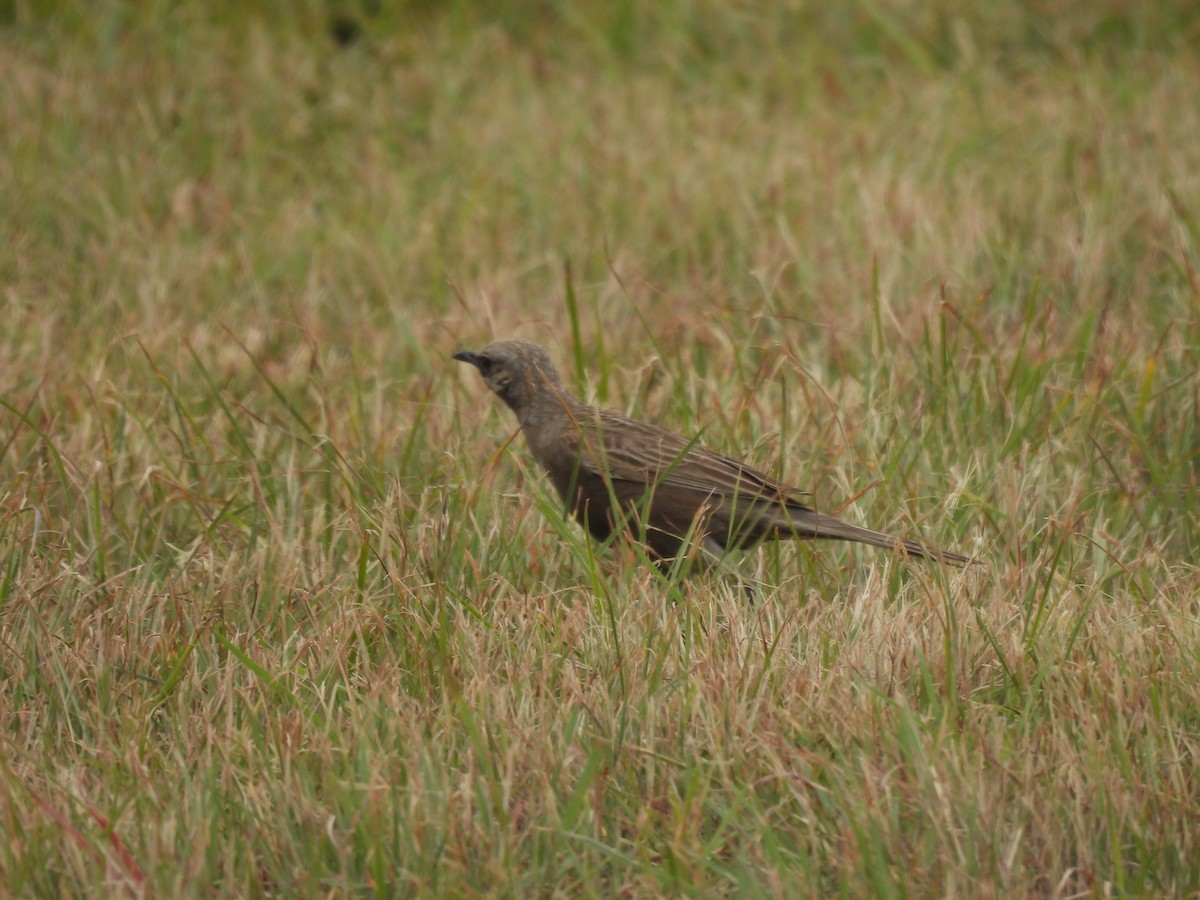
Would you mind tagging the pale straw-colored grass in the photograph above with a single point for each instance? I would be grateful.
(278, 615)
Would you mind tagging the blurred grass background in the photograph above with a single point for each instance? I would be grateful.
(277, 618)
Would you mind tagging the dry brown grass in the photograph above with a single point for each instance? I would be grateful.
(277, 618)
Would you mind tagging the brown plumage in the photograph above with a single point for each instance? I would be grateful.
(670, 491)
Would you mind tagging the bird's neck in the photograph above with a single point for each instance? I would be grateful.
(552, 412)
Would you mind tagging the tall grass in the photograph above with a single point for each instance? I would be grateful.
(281, 610)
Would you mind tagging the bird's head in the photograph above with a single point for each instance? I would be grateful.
(518, 372)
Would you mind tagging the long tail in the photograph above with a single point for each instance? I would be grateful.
(806, 523)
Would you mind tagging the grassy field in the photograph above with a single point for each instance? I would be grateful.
(282, 615)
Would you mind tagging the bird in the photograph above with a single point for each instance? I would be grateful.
(671, 493)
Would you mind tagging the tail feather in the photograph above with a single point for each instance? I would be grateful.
(815, 525)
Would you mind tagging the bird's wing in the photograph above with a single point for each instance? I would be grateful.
(618, 449)
(612, 446)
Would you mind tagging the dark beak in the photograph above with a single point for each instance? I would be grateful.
(468, 357)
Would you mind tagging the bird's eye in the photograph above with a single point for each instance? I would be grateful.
(485, 366)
